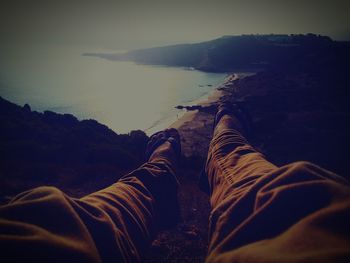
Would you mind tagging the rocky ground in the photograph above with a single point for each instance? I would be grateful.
(188, 241)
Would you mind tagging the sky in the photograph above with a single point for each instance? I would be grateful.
(131, 24)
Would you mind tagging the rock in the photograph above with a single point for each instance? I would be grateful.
(26, 108)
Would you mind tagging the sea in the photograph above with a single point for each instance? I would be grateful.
(124, 96)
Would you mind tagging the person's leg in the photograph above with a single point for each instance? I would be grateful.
(233, 166)
(262, 213)
(114, 224)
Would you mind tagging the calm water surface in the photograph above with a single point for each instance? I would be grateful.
(123, 95)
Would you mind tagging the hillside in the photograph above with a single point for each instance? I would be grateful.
(58, 149)
(298, 116)
(232, 53)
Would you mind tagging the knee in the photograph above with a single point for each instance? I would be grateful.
(47, 191)
(306, 171)
(40, 193)
(303, 166)
(314, 171)
(302, 169)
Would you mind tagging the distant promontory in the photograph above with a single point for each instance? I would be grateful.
(232, 53)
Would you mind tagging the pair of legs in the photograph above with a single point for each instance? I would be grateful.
(259, 212)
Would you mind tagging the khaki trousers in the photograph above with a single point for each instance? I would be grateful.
(263, 213)
(259, 212)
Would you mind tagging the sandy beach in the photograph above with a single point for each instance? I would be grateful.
(196, 126)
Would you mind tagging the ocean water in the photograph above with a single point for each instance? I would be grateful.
(122, 95)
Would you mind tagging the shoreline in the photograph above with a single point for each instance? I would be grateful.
(213, 98)
(195, 126)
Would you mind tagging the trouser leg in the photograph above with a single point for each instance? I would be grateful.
(141, 202)
(233, 166)
(263, 213)
(114, 224)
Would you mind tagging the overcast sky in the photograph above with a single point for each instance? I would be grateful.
(128, 24)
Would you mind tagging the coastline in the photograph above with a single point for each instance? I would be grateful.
(195, 126)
